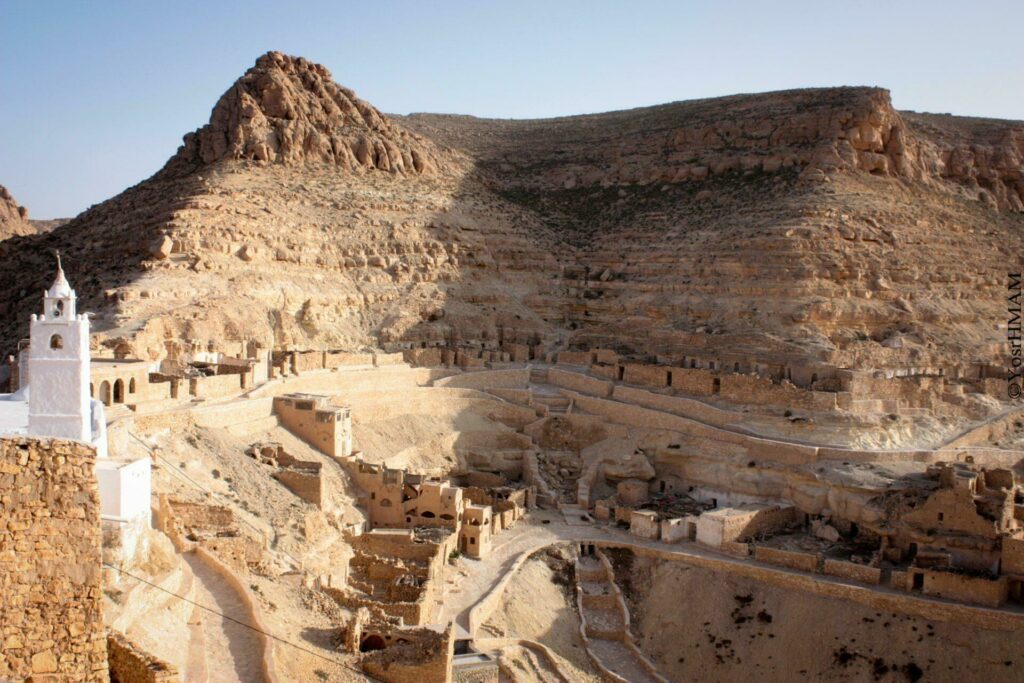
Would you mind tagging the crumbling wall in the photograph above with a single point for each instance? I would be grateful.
(428, 358)
(307, 485)
(693, 381)
(427, 657)
(51, 603)
(751, 389)
(215, 386)
(131, 664)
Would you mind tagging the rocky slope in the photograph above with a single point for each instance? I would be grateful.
(13, 217)
(805, 224)
(809, 223)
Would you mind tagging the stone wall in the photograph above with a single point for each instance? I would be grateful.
(130, 664)
(805, 562)
(693, 381)
(645, 375)
(487, 379)
(51, 602)
(855, 572)
(215, 386)
(580, 382)
(429, 658)
(965, 588)
(754, 390)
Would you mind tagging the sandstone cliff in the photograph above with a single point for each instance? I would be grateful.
(812, 224)
(13, 217)
(289, 110)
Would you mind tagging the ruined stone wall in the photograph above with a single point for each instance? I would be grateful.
(215, 386)
(130, 664)
(693, 381)
(306, 485)
(51, 619)
(751, 389)
(428, 358)
(427, 659)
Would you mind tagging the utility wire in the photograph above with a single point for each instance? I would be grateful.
(237, 621)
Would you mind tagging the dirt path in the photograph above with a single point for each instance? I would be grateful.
(233, 652)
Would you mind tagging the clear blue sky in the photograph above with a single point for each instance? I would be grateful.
(95, 95)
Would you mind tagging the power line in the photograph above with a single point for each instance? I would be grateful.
(237, 621)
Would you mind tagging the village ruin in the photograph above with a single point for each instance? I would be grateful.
(565, 487)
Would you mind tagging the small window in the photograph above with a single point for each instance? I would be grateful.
(304, 405)
(58, 309)
(131, 386)
(56, 342)
(385, 503)
(941, 516)
(472, 541)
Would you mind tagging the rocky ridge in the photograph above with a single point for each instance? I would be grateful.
(13, 217)
(289, 110)
(801, 225)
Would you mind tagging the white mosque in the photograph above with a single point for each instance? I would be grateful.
(53, 401)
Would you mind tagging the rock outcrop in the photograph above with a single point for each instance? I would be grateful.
(289, 110)
(808, 226)
(13, 217)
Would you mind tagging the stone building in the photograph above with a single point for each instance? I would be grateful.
(313, 418)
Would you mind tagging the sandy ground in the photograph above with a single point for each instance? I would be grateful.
(233, 652)
(539, 605)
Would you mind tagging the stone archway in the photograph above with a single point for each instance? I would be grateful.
(119, 391)
(371, 643)
(105, 392)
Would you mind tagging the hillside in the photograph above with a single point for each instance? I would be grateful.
(813, 224)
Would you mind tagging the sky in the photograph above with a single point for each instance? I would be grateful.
(96, 95)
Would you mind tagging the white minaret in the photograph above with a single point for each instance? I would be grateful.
(59, 403)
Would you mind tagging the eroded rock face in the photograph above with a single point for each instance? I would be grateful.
(13, 217)
(289, 110)
(811, 225)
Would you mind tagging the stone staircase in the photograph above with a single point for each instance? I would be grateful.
(605, 623)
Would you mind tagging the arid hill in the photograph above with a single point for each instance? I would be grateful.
(812, 224)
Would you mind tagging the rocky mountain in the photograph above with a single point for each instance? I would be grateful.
(813, 224)
(13, 217)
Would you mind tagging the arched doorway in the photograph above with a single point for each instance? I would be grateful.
(131, 386)
(105, 392)
(119, 391)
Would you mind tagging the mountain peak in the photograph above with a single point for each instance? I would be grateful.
(289, 110)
